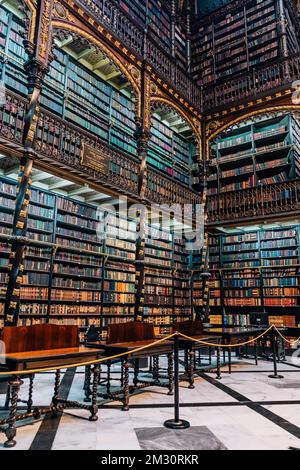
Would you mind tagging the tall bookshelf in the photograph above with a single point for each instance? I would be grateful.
(169, 151)
(255, 154)
(89, 275)
(156, 15)
(71, 90)
(258, 272)
(225, 44)
(12, 52)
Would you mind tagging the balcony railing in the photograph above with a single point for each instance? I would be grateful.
(252, 84)
(274, 199)
(62, 143)
(132, 35)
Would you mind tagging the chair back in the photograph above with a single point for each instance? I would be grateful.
(129, 332)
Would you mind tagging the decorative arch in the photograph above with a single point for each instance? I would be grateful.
(130, 71)
(193, 122)
(216, 128)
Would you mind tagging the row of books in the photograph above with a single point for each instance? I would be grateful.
(250, 34)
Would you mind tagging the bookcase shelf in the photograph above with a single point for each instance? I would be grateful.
(226, 44)
(255, 154)
(243, 290)
(96, 285)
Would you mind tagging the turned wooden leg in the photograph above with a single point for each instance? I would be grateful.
(186, 362)
(136, 372)
(87, 384)
(171, 373)
(122, 375)
(126, 366)
(11, 430)
(191, 356)
(155, 372)
(94, 408)
(56, 393)
(30, 393)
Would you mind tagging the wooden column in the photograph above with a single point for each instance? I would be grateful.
(282, 28)
(142, 138)
(188, 37)
(36, 68)
(205, 250)
(173, 25)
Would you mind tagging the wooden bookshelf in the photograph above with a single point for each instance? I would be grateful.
(88, 279)
(257, 271)
(255, 154)
(227, 43)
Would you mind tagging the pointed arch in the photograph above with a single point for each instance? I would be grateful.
(192, 122)
(130, 72)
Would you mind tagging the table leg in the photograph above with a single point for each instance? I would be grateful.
(122, 375)
(155, 372)
(11, 430)
(171, 373)
(30, 393)
(56, 393)
(126, 366)
(209, 355)
(87, 383)
(94, 407)
(136, 372)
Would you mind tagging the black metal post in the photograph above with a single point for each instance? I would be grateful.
(273, 344)
(176, 423)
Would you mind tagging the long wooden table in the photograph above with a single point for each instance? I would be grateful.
(124, 339)
(127, 348)
(38, 359)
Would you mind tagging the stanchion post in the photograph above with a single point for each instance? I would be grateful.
(273, 344)
(176, 423)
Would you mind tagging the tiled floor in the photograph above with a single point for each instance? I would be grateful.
(245, 410)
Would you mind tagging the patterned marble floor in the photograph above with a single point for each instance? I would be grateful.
(244, 411)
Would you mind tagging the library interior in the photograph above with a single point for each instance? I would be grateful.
(150, 225)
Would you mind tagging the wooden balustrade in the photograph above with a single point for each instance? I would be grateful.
(132, 35)
(260, 201)
(62, 142)
(252, 83)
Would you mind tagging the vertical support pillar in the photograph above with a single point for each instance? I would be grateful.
(282, 28)
(39, 53)
(142, 137)
(140, 269)
(188, 37)
(173, 26)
